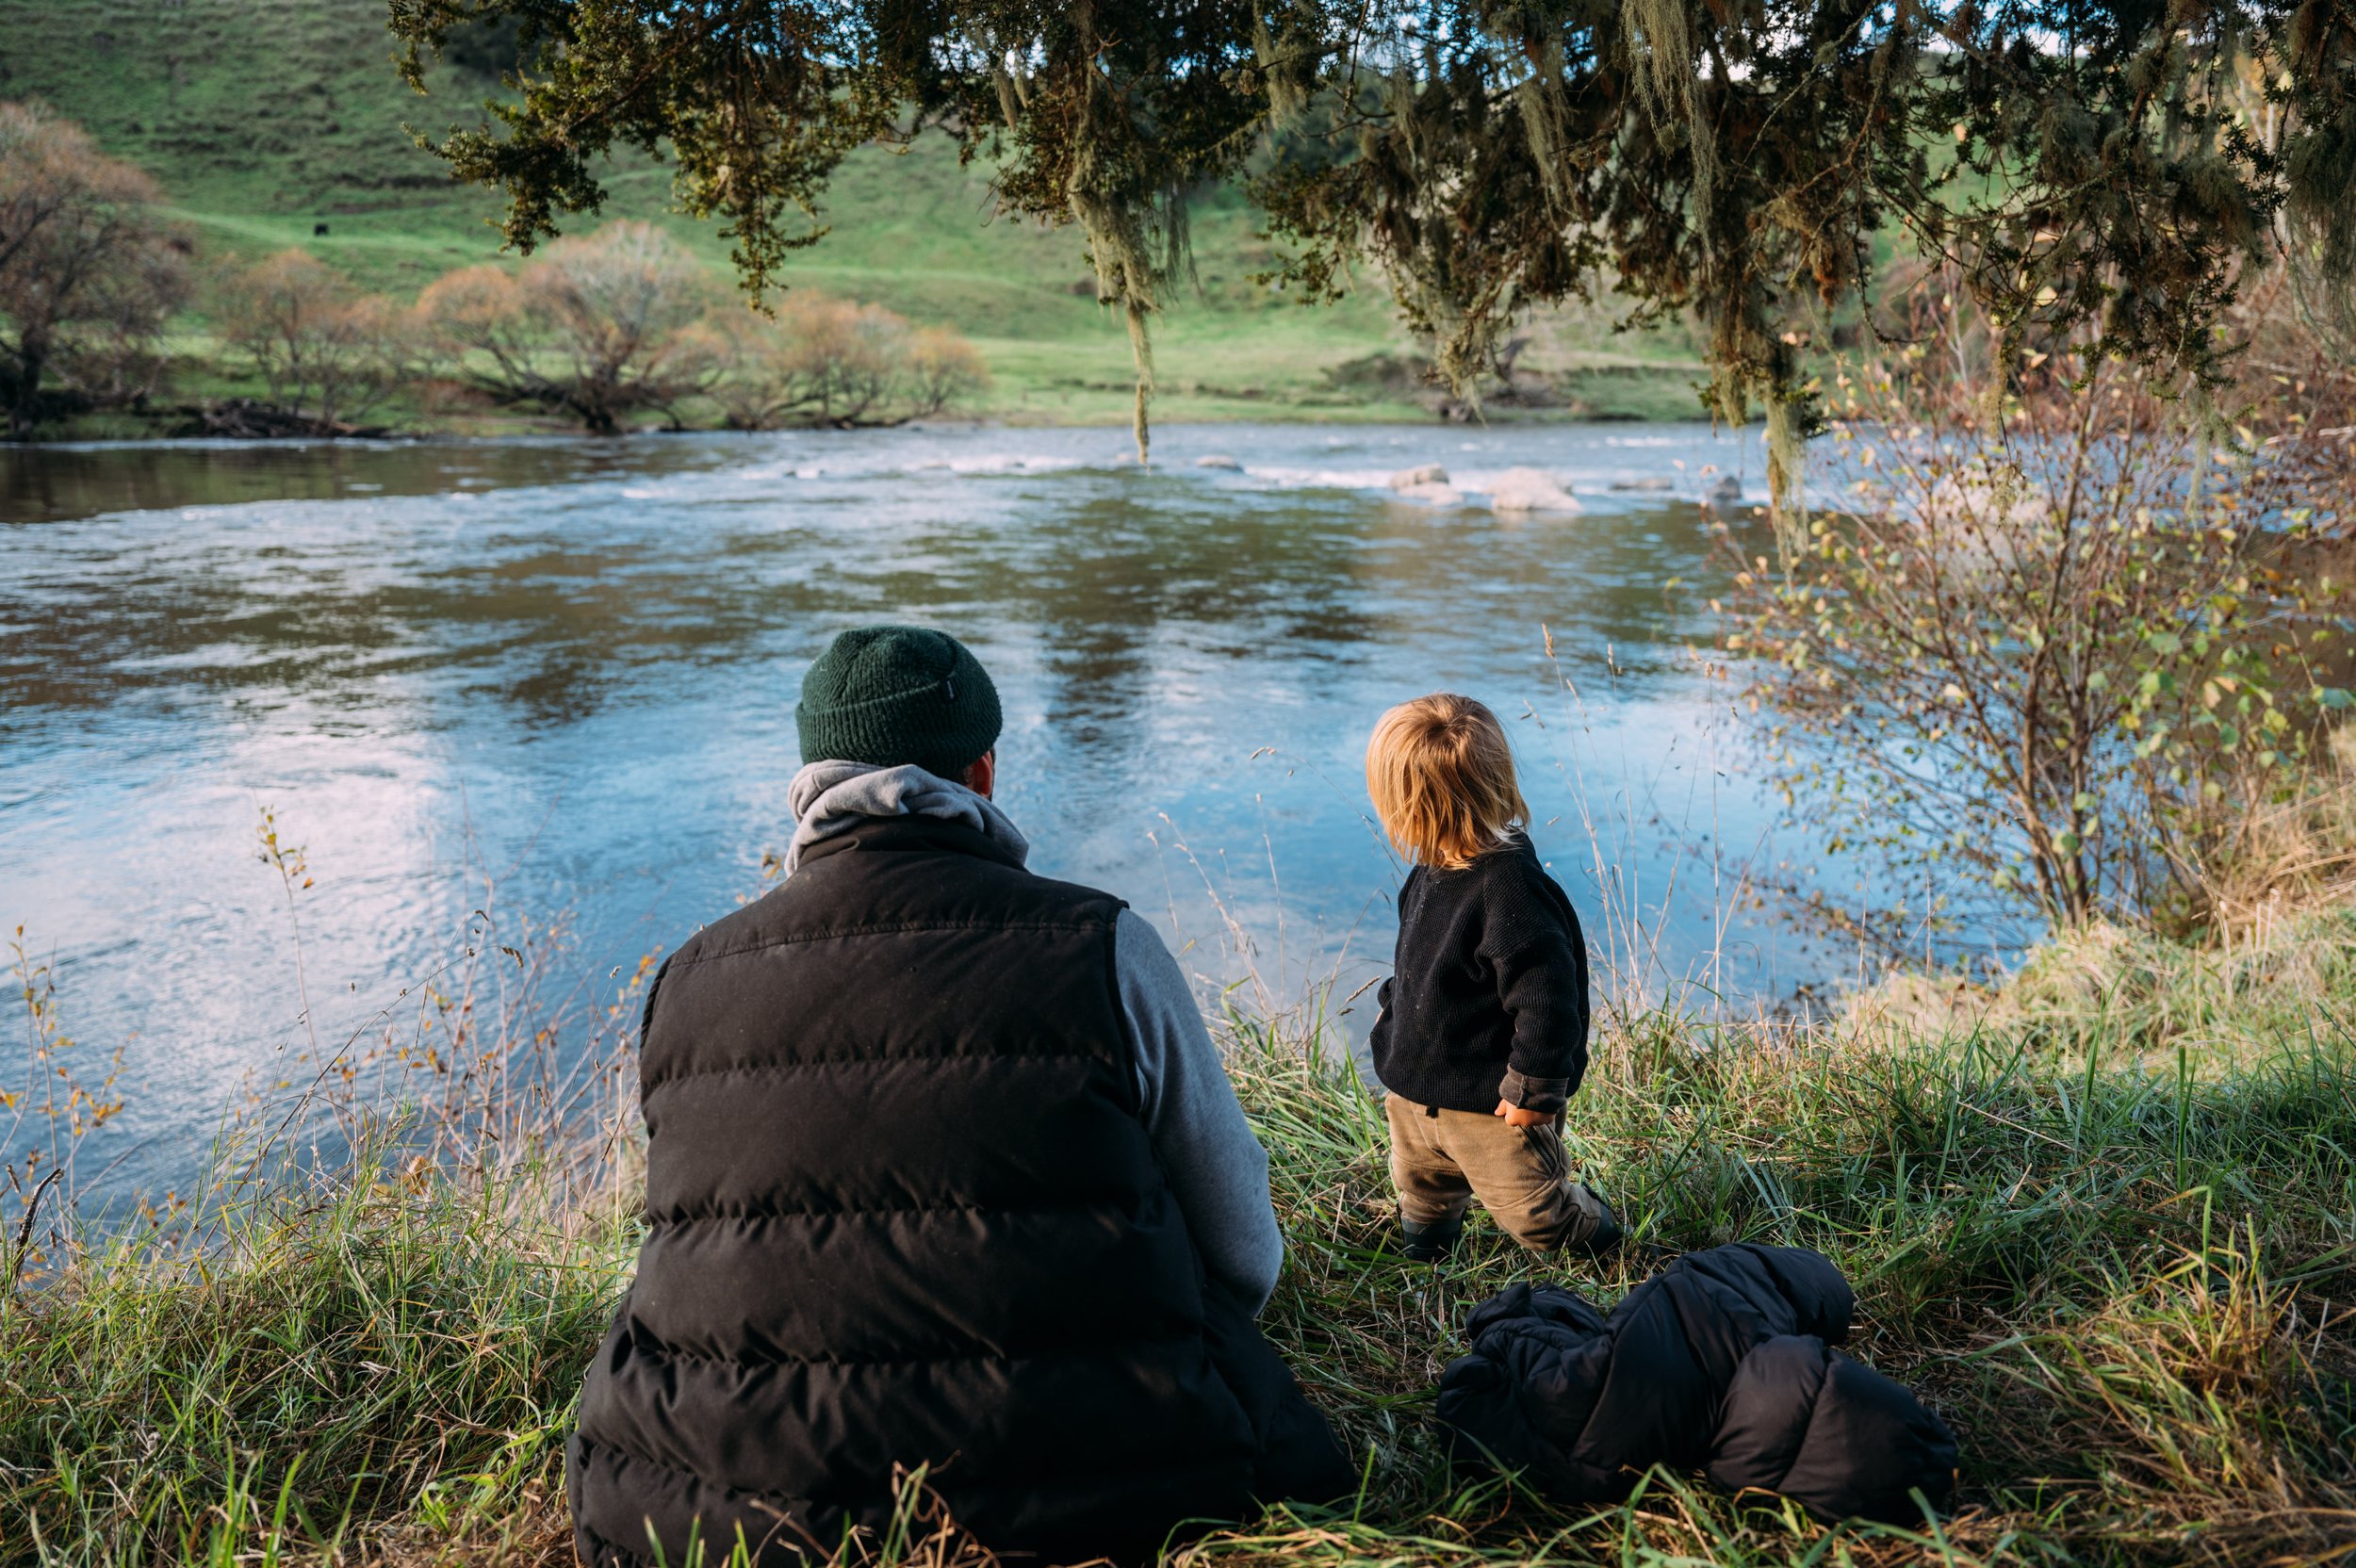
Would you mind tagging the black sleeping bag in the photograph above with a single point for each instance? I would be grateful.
(1721, 1362)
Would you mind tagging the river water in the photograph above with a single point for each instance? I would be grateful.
(570, 667)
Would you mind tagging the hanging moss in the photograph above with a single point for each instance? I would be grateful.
(1126, 279)
(1127, 199)
(1660, 36)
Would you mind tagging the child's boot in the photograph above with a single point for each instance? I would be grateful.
(1602, 1232)
(1430, 1243)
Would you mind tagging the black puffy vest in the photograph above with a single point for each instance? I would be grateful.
(902, 1210)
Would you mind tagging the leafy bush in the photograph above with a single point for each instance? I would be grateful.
(2042, 662)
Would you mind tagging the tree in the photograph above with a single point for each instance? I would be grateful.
(327, 352)
(598, 327)
(89, 269)
(2081, 162)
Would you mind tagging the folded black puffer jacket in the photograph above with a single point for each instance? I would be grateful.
(1720, 1362)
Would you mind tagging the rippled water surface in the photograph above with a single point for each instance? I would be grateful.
(572, 665)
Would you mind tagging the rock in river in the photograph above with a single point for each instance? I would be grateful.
(1435, 495)
(1531, 490)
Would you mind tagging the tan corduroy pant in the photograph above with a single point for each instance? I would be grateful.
(1441, 1160)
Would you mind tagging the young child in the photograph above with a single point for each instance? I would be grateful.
(1482, 1037)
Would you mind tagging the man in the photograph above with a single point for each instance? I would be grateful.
(943, 1170)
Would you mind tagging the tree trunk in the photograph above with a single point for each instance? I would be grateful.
(28, 369)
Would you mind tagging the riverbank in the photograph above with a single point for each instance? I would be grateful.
(2111, 1247)
(1207, 372)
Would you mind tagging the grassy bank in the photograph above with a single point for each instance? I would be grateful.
(2111, 1246)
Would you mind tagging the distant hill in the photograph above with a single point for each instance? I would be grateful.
(267, 120)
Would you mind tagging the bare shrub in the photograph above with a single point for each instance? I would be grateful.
(2297, 388)
(842, 359)
(88, 268)
(754, 381)
(327, 352)
(833, 362)
(598, 328)
(944, 372)
(2045, 663)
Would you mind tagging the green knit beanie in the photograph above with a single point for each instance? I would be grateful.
(894, 695)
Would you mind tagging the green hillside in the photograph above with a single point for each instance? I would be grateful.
(267, 119)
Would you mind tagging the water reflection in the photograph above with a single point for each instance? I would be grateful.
(60, 482)
(573, 664)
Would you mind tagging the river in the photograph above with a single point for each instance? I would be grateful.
(570, 667)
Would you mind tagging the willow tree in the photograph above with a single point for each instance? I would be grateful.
(90, 269)
(2117, 164)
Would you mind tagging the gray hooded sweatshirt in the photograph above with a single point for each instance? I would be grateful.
(1216, 1168)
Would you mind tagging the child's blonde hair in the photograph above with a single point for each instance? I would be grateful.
(1441, 774)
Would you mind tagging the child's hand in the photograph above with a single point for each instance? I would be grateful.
(1515, 1116)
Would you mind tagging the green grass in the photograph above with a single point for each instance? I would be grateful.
(2119, 1286)
(367, 1355)
(266, 118)
(2116, 1257)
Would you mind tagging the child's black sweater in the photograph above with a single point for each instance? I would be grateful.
(1487, 998)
